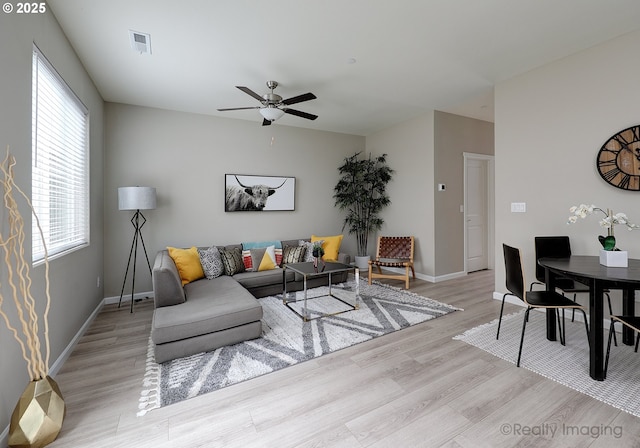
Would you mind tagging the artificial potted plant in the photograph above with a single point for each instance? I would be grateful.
(317, 253)
(610, 255)
(361, 192)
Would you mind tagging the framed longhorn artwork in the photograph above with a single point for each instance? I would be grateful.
(250, 193)
(618, 160)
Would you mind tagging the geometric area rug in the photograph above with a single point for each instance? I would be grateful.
(568, 364)
(287, 340)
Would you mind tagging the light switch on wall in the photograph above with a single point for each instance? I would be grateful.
(518, 207)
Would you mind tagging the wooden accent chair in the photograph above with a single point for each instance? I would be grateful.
(393, 252)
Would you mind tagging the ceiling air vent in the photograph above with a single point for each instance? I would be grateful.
(140, 42)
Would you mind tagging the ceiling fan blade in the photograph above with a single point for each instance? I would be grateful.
(298, 113)
(299, 99)
(248, 91)
(239, 108)
(266, 122)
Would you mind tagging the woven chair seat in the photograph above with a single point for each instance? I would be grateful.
(390, 263)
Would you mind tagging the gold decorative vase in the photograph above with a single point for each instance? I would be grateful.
(37, 419)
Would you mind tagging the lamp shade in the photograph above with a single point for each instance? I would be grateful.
(271, 113)
(136, 198)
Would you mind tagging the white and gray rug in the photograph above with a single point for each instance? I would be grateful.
(287, 340)
(567, 365)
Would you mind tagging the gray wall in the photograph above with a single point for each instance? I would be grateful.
(550, 125)
(453, 136)
(410, 149)
(425, 152)
(73, 277)
(185, 156)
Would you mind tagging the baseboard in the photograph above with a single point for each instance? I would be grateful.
(451, 276)
(430, 278)
(58, 363)
(127, 298)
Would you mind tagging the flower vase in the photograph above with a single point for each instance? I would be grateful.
(614, 258)
(37, 418)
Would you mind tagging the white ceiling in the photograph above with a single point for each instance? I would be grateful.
(411, 56)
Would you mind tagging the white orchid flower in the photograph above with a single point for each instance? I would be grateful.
(608, 222)
(605, 223)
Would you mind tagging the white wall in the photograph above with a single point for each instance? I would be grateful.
(550, 124)
(73, 277)
(185, 156)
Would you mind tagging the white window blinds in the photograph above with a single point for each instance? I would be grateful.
(60, 163)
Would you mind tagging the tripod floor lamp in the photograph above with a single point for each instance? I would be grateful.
(136, 198)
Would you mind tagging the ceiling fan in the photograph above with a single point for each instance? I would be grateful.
(273, 106)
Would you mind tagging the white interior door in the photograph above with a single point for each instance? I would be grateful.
(476, 214)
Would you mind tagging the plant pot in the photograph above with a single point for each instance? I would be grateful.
(37, 418)
(362, 262)
(614, 258)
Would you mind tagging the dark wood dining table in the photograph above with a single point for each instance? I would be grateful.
(588, 270)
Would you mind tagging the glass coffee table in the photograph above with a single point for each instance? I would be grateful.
(307, 270)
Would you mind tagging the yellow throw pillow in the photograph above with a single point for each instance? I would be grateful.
(268, 260)
(188, 263)
(331, 246)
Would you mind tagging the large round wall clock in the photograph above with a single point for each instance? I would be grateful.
(619, 159)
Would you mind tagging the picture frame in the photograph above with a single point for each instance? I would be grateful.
(248, 192)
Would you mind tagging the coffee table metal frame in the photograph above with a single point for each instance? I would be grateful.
(307, 270)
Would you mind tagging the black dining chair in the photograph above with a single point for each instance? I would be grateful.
(632, 322)
(560, 247)
(515, 282)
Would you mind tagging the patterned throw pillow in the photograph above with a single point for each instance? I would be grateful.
(263, 259)
(246, 252)
(211, 262)
(293, 254)
(232, 261)
(309, 249)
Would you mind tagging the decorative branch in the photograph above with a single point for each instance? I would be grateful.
(19, 278)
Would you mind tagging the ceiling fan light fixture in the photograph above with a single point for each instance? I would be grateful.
(273, 107)
(271, 113)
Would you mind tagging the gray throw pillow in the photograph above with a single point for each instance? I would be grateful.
(211, 262)
(256, 258)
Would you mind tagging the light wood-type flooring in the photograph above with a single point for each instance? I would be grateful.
(412, 388)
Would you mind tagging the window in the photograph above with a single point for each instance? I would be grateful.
(59, 163)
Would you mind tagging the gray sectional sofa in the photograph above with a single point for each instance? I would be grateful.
(208, 314)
